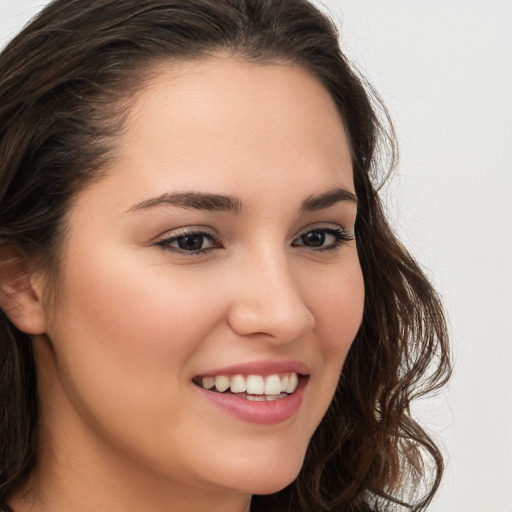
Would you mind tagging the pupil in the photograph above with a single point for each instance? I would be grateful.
(314, 239)
(191, 242)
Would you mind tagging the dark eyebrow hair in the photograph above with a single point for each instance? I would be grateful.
(229, 204)
(198, 201)
(327, 199)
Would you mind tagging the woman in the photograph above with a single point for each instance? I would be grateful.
(203, 305)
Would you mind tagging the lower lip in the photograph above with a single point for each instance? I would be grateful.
(263, 413)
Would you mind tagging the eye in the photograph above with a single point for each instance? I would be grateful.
(328, 238)
(190, 242)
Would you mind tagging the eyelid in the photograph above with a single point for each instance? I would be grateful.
(187, 230)
(326, 227)
(165, 240)
(337, 231)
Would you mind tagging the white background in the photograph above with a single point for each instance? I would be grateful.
(444, 69)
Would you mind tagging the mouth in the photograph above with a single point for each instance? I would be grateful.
(256, 388)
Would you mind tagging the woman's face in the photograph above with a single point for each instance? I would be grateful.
(218, 250)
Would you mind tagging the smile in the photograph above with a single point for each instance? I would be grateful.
(252, 387)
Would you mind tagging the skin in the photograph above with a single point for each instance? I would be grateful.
(123, 427)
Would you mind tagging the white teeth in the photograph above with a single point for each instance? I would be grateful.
(271, 398)
(270, 388)
(273, 385)
(208, 382)
(222, 383)
(265, 398)
(238, 384)
(293, 382)
(256, 398)
(255, 385)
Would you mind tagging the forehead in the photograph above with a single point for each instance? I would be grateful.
(211, 125)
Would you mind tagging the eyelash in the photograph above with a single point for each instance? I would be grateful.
(166, 242)
(340, 237)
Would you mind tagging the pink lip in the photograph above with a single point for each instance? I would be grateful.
(262, 413)
(260, 368)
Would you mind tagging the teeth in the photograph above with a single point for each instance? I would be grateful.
(238, 384)
(222, 383)
(273, 385)
(293, 382)
(255, 387)
(271, 398)
(256, 398)
(208, 382)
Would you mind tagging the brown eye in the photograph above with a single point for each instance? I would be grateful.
(313, 238)
(193, 242)
(322, 239)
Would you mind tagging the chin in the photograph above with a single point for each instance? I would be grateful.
(267, 485)
(267, 478)
(272, 487)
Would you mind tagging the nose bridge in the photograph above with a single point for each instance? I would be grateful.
(268, 299)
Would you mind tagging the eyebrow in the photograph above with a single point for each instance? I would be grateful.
(209, 202)
(327, 199)
(230, 204)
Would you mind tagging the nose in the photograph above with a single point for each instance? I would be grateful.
(268, 300)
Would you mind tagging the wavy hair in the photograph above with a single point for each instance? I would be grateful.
(66, 82)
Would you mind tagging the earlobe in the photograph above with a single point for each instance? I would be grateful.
(20, 299)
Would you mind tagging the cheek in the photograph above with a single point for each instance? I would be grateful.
(337, 304)
(143, 311)
(124, 336)
(338, 309)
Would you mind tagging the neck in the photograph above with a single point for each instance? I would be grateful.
(52, 494)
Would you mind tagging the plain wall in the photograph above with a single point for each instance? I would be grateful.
(443, 68)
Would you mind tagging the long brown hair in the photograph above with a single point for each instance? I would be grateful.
(65, 86)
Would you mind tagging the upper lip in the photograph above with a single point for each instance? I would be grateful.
(260, 368)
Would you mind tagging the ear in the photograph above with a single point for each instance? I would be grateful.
(20, 295)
